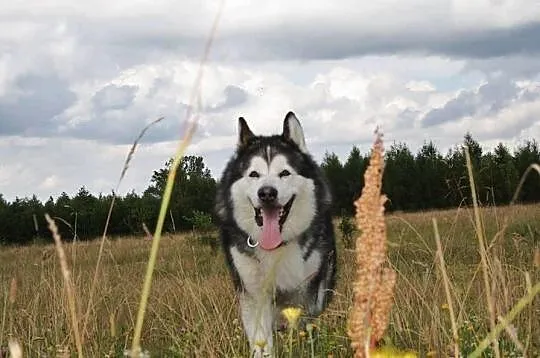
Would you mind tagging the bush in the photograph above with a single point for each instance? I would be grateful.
(202, 226)
(201, 222)
(348, 231)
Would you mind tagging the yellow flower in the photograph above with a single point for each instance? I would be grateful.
(387, 352)
(292, 314)
(260, 344)
(444, 306)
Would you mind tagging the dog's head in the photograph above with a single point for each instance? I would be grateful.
(273, 185)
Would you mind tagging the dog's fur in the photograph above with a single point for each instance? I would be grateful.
(299, 272)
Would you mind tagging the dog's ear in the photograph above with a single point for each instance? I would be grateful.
(245, 134)
(292, 129)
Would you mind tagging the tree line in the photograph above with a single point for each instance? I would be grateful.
(84, 215)
(423, 180)
(428, 179)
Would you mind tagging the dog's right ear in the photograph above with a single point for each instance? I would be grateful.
(245, 134)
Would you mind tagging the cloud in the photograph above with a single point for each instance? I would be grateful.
(488, 100)
(112, 97)
(516, 66)
(51, 166)
(311, 40)
(33, 104)
(521, 39)
(79, 81)
(234, 97)
(126, 34)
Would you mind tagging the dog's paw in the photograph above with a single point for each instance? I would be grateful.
(261, 353)
(261, 350)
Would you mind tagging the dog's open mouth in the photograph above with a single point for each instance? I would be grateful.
(282, 210)
(271, 219)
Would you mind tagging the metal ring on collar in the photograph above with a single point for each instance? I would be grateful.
(252, 243)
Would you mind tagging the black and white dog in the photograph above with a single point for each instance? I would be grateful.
(274, 210)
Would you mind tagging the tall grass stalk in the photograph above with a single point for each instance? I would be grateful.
(518, 307)
(70, 291)
(105, 229)
(533, 291)
(482, 246)
(4, 315)
(446, 281)
(191, 126)
(530, 168)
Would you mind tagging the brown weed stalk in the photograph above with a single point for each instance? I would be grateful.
(70, 290)
(374, 285)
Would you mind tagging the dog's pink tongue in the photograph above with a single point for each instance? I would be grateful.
(271, 236)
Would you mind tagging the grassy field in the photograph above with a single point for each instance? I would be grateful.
(192, 310)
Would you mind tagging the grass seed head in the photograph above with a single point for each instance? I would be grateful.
(374, 284)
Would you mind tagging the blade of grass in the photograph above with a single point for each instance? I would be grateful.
(191, 126)
(446, 282)
(4, 315)
(533, 166)
(104, 235)
(520, 305)
(482, 246)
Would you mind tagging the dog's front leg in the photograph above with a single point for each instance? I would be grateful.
(257, 317)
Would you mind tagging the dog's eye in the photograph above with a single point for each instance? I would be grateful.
(284, 173)
(254, 174)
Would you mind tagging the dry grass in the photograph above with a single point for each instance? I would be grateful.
(192, 309)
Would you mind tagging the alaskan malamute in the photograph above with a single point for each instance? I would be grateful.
(274, 210)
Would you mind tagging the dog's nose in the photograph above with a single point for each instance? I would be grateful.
(267, 194)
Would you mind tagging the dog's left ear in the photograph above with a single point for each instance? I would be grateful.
(292, 129)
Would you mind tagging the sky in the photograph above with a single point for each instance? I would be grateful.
(79, 80)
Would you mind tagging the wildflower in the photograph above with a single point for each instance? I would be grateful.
(444, 306)
(260, 344)
(388, 352)
(292, 314)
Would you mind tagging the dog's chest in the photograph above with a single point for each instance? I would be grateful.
(287, 268)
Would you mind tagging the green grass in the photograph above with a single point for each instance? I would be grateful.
(192, 309)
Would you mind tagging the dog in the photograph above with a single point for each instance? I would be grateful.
(273, 206)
